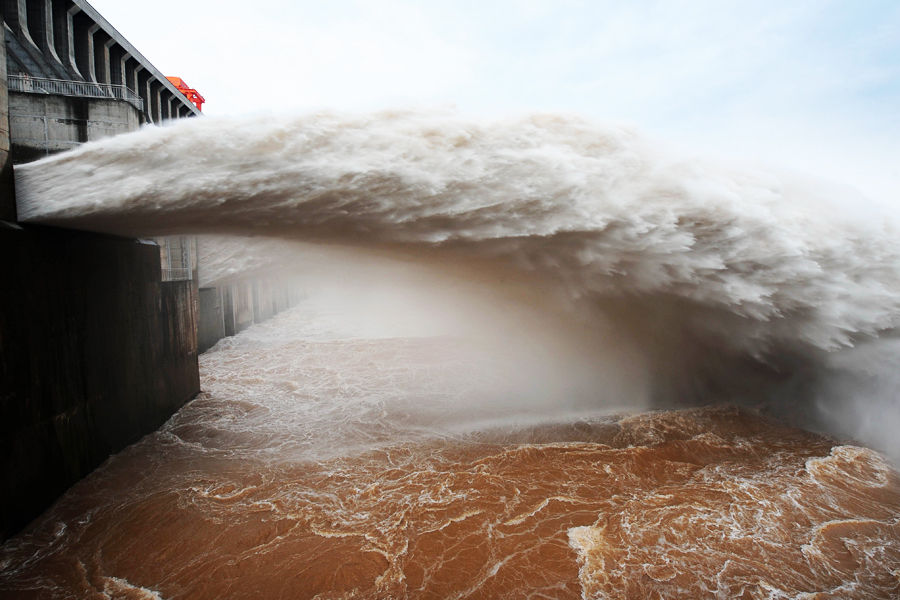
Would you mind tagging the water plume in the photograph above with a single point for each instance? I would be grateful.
(450, 412)
(733, 283)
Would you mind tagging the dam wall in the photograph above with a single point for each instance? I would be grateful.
(229, 309)
(98, 334)
(96, 353)
(98, 338)
(7, 197)
(41, 125)
(66, 48)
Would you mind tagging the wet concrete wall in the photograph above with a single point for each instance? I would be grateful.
(229, 309)
(7, 198)
(212, 324)
(96, 352)
(41, 125)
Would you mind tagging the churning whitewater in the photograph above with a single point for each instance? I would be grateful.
(598, 210)
(484, 392)
(732, 282)
(321, 464)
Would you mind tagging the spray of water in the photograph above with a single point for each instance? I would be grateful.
(732, 284)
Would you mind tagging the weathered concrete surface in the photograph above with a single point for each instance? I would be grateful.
(95, 352)
(7, 197)
(228, 311)
(40, 125)
(69, 40)
(231, 308)
(242, 294)
(211, 328)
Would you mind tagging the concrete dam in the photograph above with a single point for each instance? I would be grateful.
(533, 357)
(99, 334)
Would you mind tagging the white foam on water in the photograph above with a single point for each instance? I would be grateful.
(714, 272)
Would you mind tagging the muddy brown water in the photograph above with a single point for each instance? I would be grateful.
(311, 467)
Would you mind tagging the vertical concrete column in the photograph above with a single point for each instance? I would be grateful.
(26, 21)
(130, 79)
(142, 87)
(155, 100)
(135, 82)
(37, 23)
(101, 55)
(84, 29)
(17, 19)
(147, 92)
(92, 52)
(211, 327)
(7, 195)
(164, 104)
(228, 310)
(49, 41)
(116, 63)
(72, 61)
(59, 16)
(11, 14)
(84, 51)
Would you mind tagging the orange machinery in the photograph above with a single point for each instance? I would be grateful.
(189, 92)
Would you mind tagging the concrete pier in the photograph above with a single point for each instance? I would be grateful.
(230, 308)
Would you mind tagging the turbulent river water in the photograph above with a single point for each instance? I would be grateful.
(529, 434)
(321, 464)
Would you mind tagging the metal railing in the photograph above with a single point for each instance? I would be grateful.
(177, 258)
(82, 89)
(180, 274)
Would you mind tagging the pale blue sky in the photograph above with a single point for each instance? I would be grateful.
(811, 85)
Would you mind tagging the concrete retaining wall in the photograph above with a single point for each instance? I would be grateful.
(212, 325)
(229, 309)
(96, 352)
(43, 124)
(7, 198)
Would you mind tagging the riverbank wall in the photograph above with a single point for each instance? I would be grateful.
(96, 352)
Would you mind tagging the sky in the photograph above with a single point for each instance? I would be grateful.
(812, 86)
